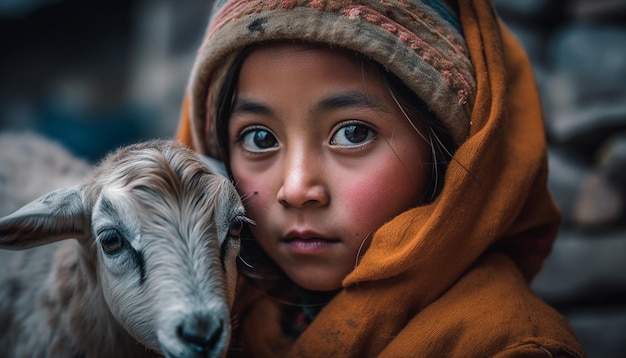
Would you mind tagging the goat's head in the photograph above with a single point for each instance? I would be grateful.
(165, 231)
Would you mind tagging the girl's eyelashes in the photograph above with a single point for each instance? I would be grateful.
(257, 139)
(352, 134)
(349, 134)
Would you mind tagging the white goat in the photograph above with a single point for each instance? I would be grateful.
(153, 261)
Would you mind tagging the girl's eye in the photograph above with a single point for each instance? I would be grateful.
(352, 134)
(258, 140)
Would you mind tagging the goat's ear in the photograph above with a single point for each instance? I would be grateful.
(55, 216)
(216, 166)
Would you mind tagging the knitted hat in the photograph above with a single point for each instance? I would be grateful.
(419, 41)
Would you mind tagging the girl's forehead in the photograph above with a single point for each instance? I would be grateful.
(293, 62)
(329, 79)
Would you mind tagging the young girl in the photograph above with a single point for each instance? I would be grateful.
(392, 156)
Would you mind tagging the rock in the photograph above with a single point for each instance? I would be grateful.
(585, 96)
(601, 199)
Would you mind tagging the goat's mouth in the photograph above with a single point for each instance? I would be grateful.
(195, 351)
(196, 336)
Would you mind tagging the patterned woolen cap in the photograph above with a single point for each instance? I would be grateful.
(419, 41)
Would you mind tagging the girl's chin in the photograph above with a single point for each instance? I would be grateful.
(317, 284)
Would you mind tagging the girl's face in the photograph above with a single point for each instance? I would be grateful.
(323, 156)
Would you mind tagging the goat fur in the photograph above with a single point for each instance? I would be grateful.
(164, 287)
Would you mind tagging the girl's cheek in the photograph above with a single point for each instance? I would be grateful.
(384, 193)
(364, 201)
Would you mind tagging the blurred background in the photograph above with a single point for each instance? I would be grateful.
(94, 75)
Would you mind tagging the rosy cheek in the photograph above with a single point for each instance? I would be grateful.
(365, 203)
(375, 199)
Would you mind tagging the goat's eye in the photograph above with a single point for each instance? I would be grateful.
(111, 241)
(235, 228)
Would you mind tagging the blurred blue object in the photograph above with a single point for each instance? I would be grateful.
(92, 134)
(10, 8)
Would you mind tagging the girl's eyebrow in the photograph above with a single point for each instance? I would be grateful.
(247, 106)
(348, 99)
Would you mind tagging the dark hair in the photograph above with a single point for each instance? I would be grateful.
(225, 104)
(442, 144)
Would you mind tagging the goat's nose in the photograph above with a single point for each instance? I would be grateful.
(200, 334)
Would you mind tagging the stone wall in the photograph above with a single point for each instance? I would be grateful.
(578, 51)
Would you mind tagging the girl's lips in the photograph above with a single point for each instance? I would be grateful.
(309, 246)
(308, 243)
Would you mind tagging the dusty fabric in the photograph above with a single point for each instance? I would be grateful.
(450, 278)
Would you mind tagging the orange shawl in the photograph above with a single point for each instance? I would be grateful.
(495, 210)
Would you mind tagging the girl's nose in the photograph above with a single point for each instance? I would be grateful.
(303, 183)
